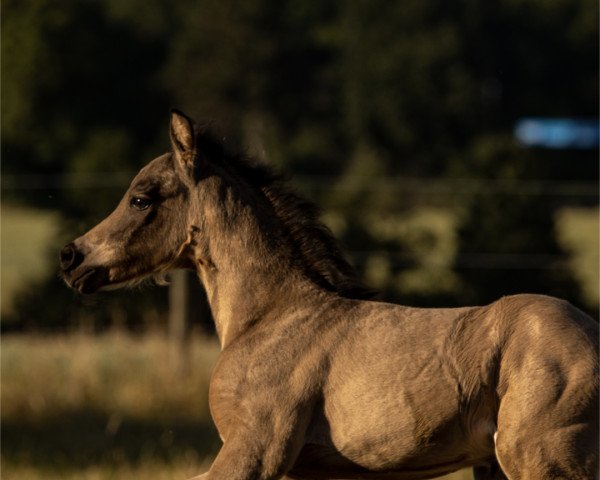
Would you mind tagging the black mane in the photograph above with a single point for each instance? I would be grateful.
(311, 241)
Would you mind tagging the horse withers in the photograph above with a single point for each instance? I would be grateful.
(317, 381)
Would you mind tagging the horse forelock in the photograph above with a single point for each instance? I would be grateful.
(312, 242)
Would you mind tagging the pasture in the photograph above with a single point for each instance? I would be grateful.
(106, 407)
(110, 406)
(26, 234)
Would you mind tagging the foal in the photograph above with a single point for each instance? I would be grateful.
(315, 381)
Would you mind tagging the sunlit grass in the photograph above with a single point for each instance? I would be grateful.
(178, 469)
(577, 231)
(25, 236)
(115, 374)
(113, 406)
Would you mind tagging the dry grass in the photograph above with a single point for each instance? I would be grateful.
(25, 234)
(578, 232)
(150, 470)
(109, 407)
(179, 469)
(115, 374)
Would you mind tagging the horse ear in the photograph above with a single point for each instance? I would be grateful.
(183, 137)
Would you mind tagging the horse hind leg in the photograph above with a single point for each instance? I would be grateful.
(547, 439)
(559, 455)
(547, 420)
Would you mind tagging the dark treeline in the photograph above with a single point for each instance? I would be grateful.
(396, 117)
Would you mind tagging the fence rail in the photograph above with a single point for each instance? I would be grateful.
(424, 185)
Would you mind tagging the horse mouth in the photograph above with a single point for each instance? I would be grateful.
(90, 281)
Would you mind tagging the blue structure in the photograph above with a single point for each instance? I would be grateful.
(560, 133)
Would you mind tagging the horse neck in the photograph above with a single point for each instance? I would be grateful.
(247, 273)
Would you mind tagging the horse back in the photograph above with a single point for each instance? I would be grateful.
(431, 381)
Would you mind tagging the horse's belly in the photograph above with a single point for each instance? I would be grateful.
(391, 401)
(385, 433)
(318, 462)
(398, 447)
(385, 419)
(387, 454)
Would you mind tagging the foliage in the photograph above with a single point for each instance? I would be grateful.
(357, 95)
(577, 231)
(396, 117)
(25, 236)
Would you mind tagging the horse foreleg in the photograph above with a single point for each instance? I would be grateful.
(204, 476)
(259, 453)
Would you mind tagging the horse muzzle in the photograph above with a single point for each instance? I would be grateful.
(84, 278)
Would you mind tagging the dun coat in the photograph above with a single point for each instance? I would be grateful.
(316, 381)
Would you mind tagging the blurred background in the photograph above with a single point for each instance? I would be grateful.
(453, 148)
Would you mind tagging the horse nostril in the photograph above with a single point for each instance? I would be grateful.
(69, 257)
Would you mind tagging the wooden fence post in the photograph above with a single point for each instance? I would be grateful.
(179, 313)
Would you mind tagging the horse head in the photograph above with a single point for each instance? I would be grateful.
(145, 236)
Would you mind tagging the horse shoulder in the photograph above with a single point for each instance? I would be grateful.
(274, 371)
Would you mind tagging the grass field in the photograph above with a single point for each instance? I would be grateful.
(25, 235)
(578, 230)
(106, 407)
(113, 406)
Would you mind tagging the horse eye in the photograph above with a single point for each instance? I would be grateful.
(140, 203)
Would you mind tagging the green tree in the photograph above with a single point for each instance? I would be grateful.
(79, 96)
(362, 96)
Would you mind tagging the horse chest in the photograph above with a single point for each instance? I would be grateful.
(261, 389)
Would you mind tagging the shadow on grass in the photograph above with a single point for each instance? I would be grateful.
(81, 439)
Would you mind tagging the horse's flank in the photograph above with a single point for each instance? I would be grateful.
(314, 381)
